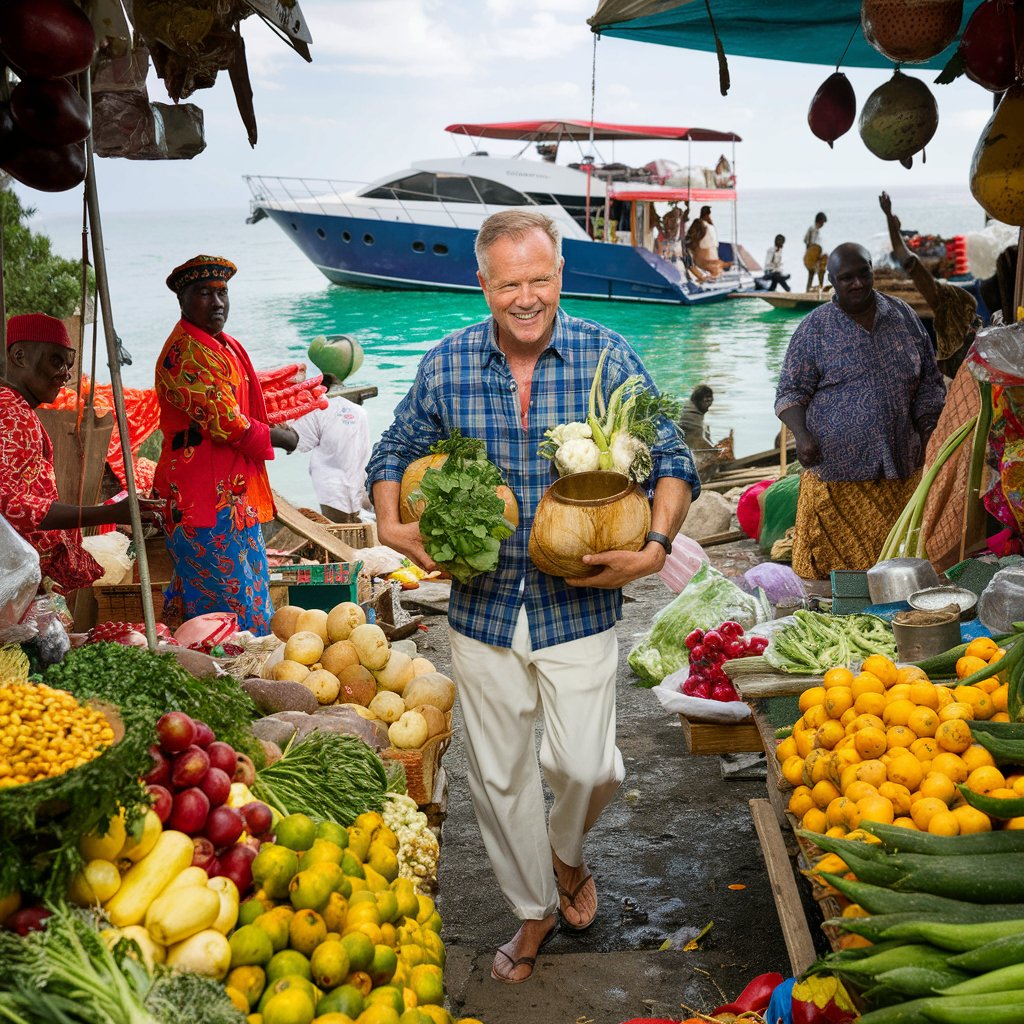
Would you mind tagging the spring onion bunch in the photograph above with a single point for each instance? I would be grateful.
(905, 539)
(618, 432)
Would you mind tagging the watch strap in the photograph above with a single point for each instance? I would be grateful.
(661, 539)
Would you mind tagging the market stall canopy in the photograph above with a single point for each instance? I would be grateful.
(580, 131)
(805, 32)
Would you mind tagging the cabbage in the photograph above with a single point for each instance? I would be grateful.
(708, 600)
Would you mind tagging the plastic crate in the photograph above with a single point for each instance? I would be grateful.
(322, 595)
(331, 574)
(850, 583)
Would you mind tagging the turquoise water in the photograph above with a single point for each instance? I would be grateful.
(279, 302)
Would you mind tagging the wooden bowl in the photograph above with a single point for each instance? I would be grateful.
(584, 514)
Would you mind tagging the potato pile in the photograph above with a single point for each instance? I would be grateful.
(343, 660)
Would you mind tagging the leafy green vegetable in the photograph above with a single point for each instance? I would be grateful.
(66, 974)
(132, 677)
(814, 642)
(327, 775)
(463, 523)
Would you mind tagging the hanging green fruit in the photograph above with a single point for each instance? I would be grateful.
(997, 169)
(338, 354)
(899, 119)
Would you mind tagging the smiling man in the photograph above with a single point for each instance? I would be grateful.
(524, 643)
(861, 392)
(39, 363)
(212, 470)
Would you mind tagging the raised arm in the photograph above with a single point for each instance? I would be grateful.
(919, 273)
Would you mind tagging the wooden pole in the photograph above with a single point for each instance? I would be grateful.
(117, 387)
(783, 449)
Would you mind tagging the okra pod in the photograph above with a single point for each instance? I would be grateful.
(1003, 979)
(999, 953)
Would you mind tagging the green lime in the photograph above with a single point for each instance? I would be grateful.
(250, 946)
(333, 832)
(287, 962)
(344, 999)
(297, 832)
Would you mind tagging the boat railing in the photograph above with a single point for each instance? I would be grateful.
(303, 192)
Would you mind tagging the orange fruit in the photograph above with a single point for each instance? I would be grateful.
(954, 735)
(924, 694)
(986, 779)
(899, 736)
(787, 748)
(905, 822)
(836, 831)
(977, 698)
(922, 811)
(1000, 716)
(815, 716)
(988, 686)
(880, 667)
(828, 734)
(814, 821)
(866, 683)
(804, 741)
(811, 697)
(838, 677)
(898, 795)
(968, 665)
(1014, 824)
(848, 716)
(800, 802)
(837, 812)
(905, 770)
(898, 691)
(940, 787)
(925, 748)
(999, 695)
(983, 647)
(923, 721)
(945, 695)
(951, 765)
(870, 742)
(898, 711)
(838, 699)
(944, 823)
(872, 771)
(823, 793)
(1002, 793)
(858, 789)
(1018, 785)
(910, 674)
(972, 820)
(870, 703)
(866, 722)
(875, 808)
(976, 756)
(793, 769)
(958, 709)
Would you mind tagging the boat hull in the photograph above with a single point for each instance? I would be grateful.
(397, 254)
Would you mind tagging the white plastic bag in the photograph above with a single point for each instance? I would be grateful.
(19, 583)
(697, 709)
(686, 558)
(111, 551)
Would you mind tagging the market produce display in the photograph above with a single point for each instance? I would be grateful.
(814, 642)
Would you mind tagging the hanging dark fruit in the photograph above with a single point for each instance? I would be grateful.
(987, 46)
(833, 109)
(910, 31)
(46, 38)
(50, 111)
(48, 168)
(997, 169)
(899, 118)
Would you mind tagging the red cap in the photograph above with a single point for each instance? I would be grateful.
(37, 327)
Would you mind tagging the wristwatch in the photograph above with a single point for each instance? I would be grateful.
(661, 539)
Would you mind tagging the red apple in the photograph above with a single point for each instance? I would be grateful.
(217, 786)
(163, 802)
(258, 818)
(160, 773)
(223, 826)
(236, 864)
(175, 731)
(204, 855)
(189, 767)
(188, 815)
(204, 734)
(222, 756)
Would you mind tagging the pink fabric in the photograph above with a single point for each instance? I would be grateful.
(748, 511)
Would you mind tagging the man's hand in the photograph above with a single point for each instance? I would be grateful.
(151, 510)
(405, 538)
(807, 451)
(621, 567)
(284, 437)
(885, 203)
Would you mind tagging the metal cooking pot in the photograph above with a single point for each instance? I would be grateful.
(897, 578)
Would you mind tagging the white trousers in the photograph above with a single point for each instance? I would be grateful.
(501, 691)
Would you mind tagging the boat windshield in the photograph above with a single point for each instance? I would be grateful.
(427, 186)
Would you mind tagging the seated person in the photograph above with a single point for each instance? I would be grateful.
(702, 241)
(773, 276)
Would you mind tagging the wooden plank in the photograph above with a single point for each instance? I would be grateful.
(769, 456)
(722, 538)
(713, 738)
(778, 788)
(770, 685)
(795, 930)
(288, 515)
(358, 393)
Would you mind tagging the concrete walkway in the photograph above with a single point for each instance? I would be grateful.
(664, 856)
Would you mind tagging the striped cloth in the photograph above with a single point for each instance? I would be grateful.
(465, 383)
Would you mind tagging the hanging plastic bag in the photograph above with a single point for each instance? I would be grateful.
(996, 356)
(111, 551)
(708, 600)
(1002, 602)
(19, 583)
(780, 584)
(686, 558)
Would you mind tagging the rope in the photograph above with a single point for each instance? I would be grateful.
(849, 43)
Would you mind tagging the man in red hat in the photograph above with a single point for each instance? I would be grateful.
(39, 361)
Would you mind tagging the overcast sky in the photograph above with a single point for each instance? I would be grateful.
(388, 75)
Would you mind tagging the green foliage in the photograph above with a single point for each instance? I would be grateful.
(36, 280)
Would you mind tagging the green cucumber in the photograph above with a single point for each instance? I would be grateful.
(1007, 730)
(998, 953)
(908, 840)
(1003, 749)
(920, 981)
(994, 806)
(870, 967)
(982, 878)
(1012, 657)
(879, 900)
(970, 1008)
(872, 927)
(1003, 1013)
(957, 936)
(945, 664)
(1003, 979)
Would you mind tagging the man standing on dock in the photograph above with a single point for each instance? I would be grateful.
(525, 643)
(815, 257)
(861, 392)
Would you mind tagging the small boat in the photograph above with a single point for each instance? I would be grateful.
(415, 229)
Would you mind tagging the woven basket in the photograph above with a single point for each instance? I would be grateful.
(421, 766)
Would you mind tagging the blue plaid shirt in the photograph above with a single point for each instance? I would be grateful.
(465, 382)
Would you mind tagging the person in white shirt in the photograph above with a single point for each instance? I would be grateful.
(338, 440)
(773, 273)
(815, 257)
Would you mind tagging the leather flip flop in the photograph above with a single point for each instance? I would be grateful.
(570, 898)
(524, 961)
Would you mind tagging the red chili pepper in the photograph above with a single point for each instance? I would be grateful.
(755, 997)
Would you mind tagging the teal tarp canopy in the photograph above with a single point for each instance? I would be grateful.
(805, 32)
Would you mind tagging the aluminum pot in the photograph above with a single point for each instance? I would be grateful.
(921, 635)
(897, 578)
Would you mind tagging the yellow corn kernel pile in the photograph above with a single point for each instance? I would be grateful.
(46, 732)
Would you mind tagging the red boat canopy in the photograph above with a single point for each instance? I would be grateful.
(671, 195)
(579, 131)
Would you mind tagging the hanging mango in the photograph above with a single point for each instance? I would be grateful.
(833, 109)
(899, 119)
(997, 169)
(910, 31)
(986, 47)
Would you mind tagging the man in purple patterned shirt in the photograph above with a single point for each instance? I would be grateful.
(861, 392)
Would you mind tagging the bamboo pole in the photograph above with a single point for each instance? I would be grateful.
(117, 387)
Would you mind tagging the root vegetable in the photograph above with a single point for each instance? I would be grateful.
(343, 618)
(436, 721)
(283, 624)
(289, 671)
(433, 688)
(324, 685)
(357, 686)
(396, 673)
(388, 706)
(371, 645)
(305, 647)
(409, 732)
(313, 621)
(340, 656)
(421, 666)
